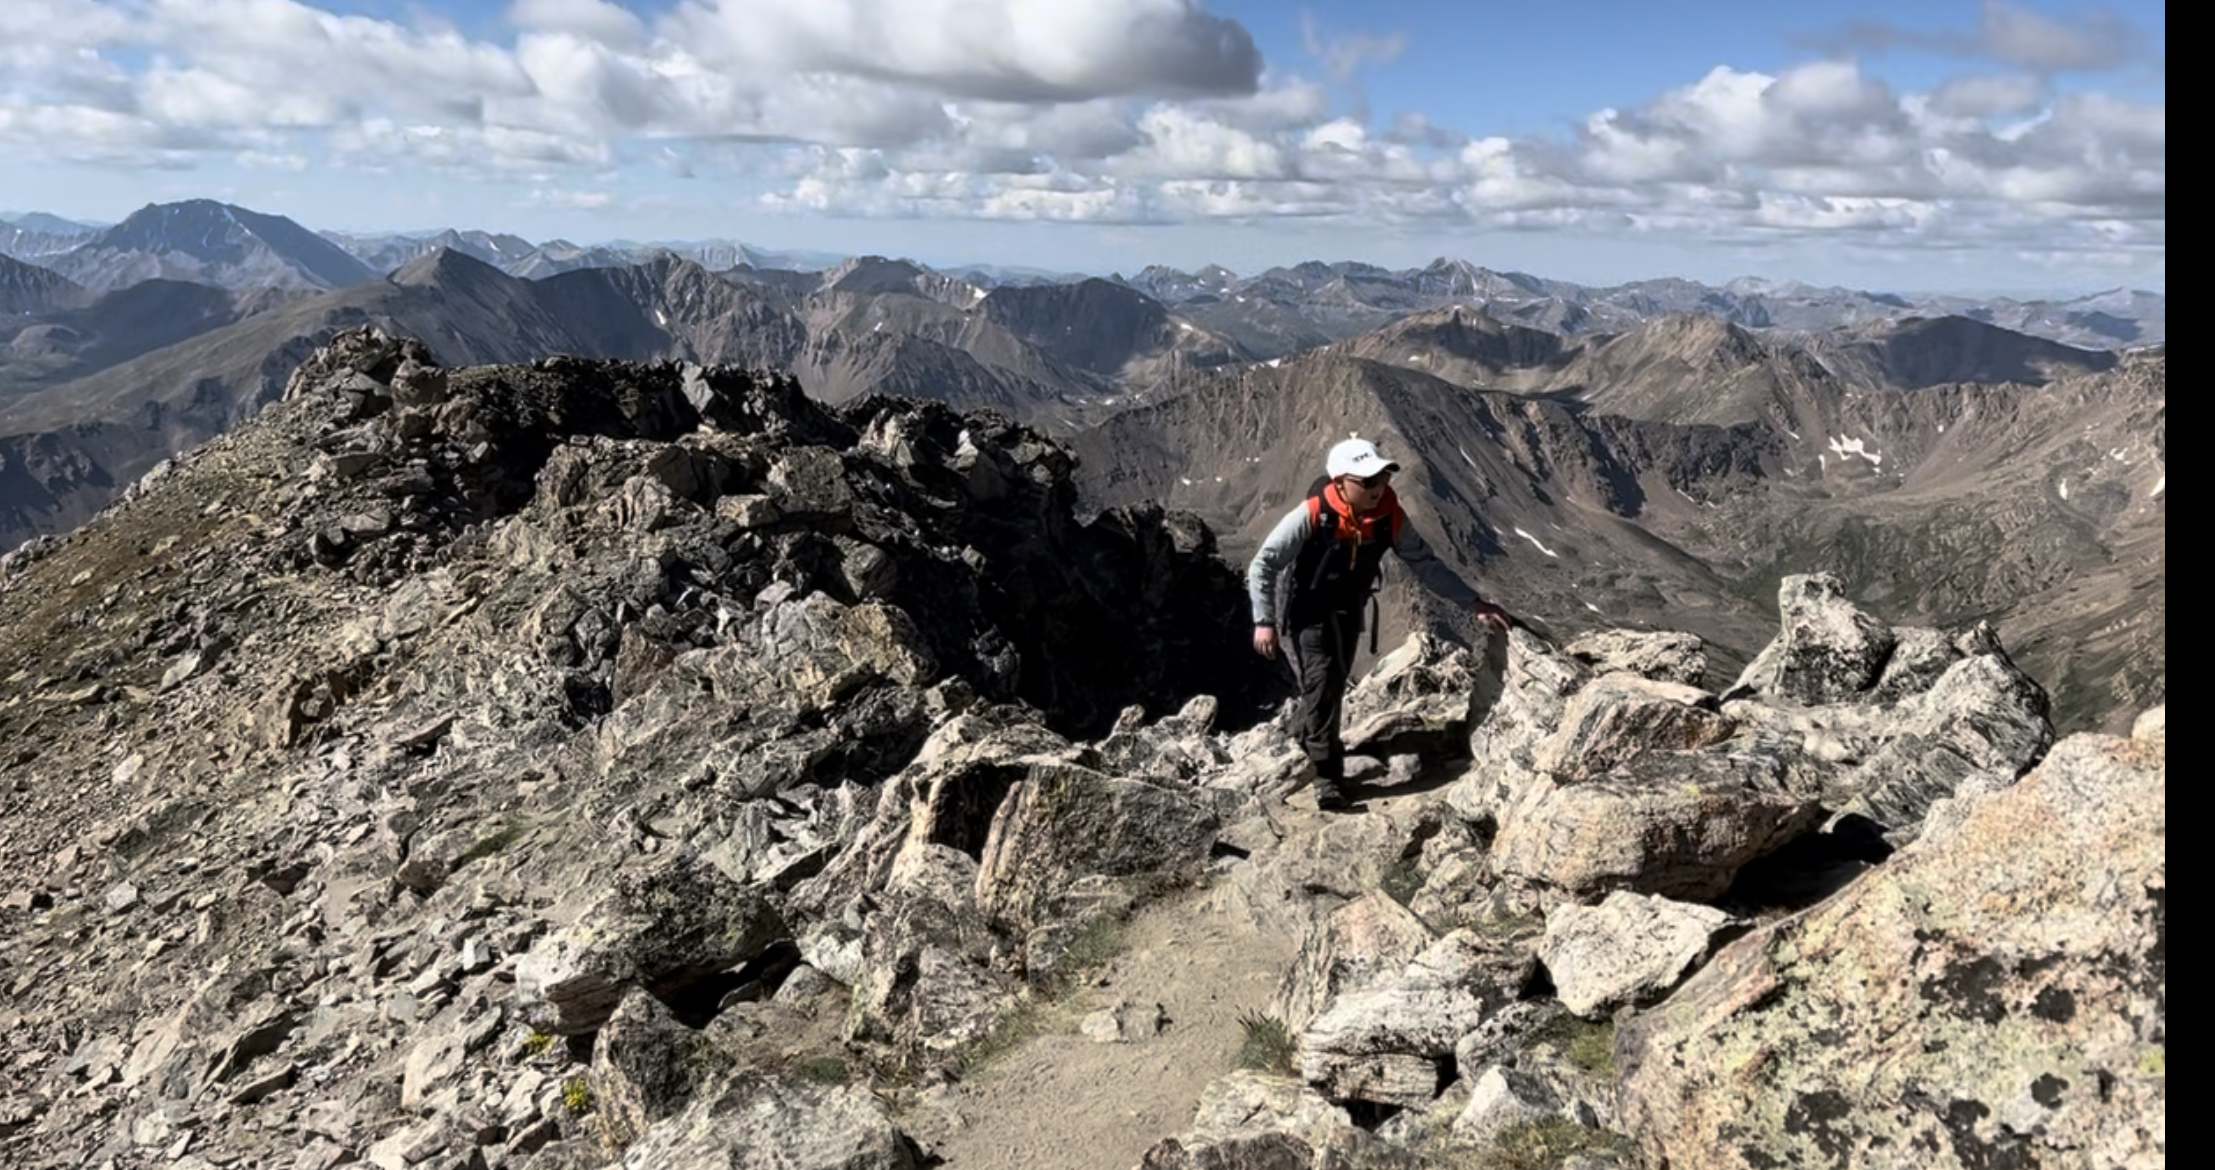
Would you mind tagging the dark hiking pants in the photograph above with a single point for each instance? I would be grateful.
(1321, 656)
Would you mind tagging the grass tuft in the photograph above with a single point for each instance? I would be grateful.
(1026, 1021)
(1587, 1044)
(822, 1070)
(1545, 1143)
(1268, 1045)
(576, 1096)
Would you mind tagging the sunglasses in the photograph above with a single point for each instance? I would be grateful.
(1373, 482)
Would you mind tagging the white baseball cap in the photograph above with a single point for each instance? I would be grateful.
(1358, 457)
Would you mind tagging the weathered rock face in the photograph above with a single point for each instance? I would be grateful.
(1063, 823)
(1995, 997)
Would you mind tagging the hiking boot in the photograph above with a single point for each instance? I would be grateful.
(1330, 785)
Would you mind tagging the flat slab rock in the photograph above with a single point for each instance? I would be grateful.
(1627, 951)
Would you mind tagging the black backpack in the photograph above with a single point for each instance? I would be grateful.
(1315, 572)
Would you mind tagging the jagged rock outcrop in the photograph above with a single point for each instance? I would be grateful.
(519, 693)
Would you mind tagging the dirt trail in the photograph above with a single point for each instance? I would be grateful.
(1061, 1101)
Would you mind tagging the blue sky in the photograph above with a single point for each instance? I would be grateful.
(1987, 147)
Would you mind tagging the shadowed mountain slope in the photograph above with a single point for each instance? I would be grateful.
(28, 288)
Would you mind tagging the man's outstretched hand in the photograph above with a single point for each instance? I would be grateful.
(1265, 641)
(1493, 617)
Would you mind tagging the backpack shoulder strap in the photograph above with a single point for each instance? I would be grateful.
(1321, 516)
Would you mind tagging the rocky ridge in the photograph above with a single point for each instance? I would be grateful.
(591, 764)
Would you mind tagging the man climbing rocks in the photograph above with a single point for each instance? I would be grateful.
(1314, 574)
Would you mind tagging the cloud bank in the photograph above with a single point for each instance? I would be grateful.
(1101, 111)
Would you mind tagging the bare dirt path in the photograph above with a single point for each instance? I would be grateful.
(1062, 1101)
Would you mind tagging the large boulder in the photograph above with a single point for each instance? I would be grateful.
(1680, 825)
(763, 1122)
(1416, 699)
(663, 926)
(1064, 822)
(1362, 943)
(1247, 1104)
(1627, 951)
(1996, 996)
(1393, 1044)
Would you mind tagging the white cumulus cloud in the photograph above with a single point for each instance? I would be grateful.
(1109, 111)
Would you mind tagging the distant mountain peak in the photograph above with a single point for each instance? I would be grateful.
(448, 268)
(213, 242)
(871, 274)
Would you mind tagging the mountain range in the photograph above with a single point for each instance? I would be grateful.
(1270, 313)
(1653, 454)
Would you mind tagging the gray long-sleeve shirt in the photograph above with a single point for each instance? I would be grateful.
(1266, 575)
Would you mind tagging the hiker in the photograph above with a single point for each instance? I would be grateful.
(1313, 575)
